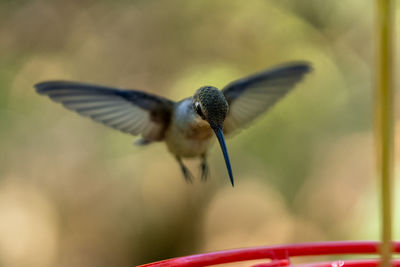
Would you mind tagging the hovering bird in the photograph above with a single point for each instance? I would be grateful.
(186, 126)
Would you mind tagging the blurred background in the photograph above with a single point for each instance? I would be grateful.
(75, 193)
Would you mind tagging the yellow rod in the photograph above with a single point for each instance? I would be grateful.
(384, 118)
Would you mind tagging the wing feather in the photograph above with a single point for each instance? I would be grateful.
(130, 111)
(251, 96)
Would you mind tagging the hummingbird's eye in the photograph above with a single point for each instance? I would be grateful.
(198, 110)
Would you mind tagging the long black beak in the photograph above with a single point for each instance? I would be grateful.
(220, 135)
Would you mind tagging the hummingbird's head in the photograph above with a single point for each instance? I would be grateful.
(210, 104)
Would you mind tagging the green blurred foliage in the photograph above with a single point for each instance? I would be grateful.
(74, 193)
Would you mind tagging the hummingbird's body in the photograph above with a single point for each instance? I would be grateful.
(187, 126)
(188, 135)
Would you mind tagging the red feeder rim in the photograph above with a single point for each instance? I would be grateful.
(280, 255)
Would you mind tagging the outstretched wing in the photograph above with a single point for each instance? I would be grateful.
(251, 96)
(129, 111)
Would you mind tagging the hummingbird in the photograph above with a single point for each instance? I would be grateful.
(186, 126)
